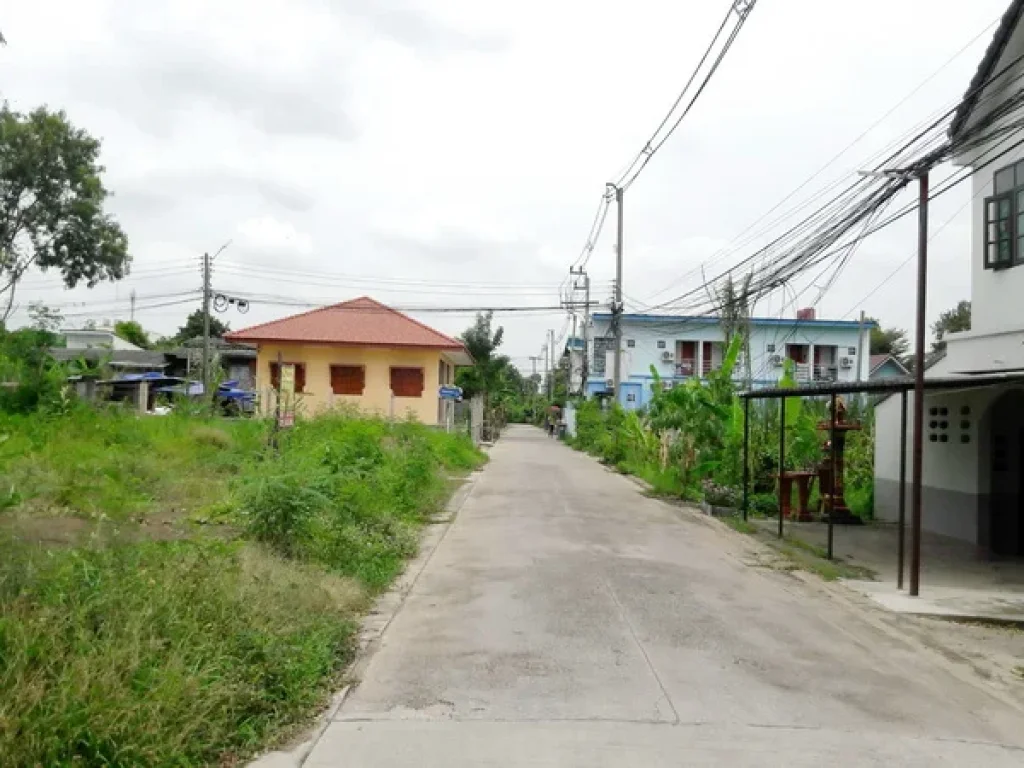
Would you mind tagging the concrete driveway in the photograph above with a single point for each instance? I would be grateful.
(567, 620)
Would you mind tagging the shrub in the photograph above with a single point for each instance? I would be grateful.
(763, 505)
(721, 495)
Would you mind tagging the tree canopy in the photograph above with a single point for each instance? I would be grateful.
(193, 327)
(488, 372)
(951, 321)
(133, 333)
(52, 205)
(889, 341)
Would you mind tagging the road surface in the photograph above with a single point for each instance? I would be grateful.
(567, 620)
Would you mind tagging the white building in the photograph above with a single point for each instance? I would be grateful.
(680, 348)
(974, 439)
(95, 338)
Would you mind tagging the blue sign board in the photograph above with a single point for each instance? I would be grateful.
(450, 393)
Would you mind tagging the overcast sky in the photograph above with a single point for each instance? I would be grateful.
(426, 153)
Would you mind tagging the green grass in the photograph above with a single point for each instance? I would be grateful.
(162, 653)
(116, 465)
(739, 524)
(124, 652)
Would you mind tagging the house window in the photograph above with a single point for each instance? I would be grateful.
(348, 379)
(630, 343)
(770, 348)
(1004, 219)
(407, 382)
(661, 344)
(602, 347)
(851, 350)
(300, 376)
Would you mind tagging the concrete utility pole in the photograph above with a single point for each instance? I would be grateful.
(132, 316)
(860, 347)
(580, 272)
(917, 470)
(551, 363)
(617, 300)
(206, 325)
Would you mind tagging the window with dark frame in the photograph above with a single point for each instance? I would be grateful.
(407, 382)
(630, 343)
(661, 344)
(1004, 219)
(300, 376)
(348, 379)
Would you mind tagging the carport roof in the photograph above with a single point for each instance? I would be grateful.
(885, 386)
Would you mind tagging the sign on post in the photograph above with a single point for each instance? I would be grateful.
(288, 378)
(450, 393)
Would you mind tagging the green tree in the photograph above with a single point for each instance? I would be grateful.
(951, 321)
(133, 333)
(52, 204)
(888, 341)
(193, 327)
(486, 376)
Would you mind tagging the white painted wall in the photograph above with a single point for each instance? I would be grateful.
(995, 294)
(95, 339)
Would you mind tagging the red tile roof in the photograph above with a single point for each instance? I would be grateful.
(359, 322)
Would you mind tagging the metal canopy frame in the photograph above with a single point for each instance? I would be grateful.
(901, 385)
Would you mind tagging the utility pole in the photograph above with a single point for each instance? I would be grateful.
(860, 347)
(551, 364)
(580, 272)
(132, 316)
(917, 470)
(206, 326)
(617, 300)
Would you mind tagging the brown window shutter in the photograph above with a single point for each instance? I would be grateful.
(275, 376)
(407, 382)
(300, 377)
(348, 379)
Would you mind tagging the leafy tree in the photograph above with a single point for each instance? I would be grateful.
(193, 327)
(51, 204)
(133, 333)
(44, 318)
(888, 341)
(488, 372)
(951, 321)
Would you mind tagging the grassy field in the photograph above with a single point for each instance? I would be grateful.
(202, 603)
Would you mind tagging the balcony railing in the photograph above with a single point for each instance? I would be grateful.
(825, 373)
(686, 367)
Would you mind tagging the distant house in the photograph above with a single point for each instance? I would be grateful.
(973, 459)
(238, 361)
(360, 353)
(95, 338)
(886, 367)
(682, 347)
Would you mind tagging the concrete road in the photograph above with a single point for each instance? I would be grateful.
(567, 620)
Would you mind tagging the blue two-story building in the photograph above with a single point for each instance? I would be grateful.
(682, 347)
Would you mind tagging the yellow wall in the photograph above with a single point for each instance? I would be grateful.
(376, 396)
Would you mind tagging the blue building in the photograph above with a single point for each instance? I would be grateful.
(682, 347)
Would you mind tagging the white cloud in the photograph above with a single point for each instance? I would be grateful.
(459, 141)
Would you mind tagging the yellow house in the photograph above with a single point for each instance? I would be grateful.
(359, 352)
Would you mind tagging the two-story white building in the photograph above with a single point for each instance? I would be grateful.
(973, 466)
(681, 347)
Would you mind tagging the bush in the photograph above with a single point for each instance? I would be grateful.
(721, 495)
(348, 493)
(763, 505)
(173, 653)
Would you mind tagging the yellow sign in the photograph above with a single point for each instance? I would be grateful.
(288, 378)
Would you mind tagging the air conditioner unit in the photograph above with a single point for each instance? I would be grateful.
(775, 360)
(609, 383)
(667, 356)
(846, 362)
